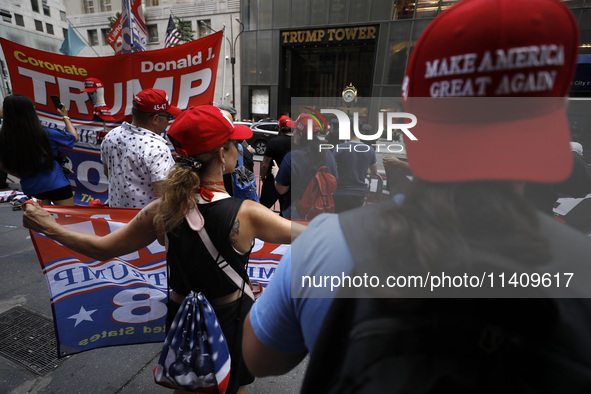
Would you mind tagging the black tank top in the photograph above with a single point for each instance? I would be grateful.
(186, 249)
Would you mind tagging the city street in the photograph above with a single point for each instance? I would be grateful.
(29, 336)
(447, 122)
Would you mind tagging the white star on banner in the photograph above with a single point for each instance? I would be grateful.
(82, 315)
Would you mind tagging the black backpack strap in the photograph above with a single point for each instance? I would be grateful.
(330, 349)
(373, 346)
(328, 356)
(357, 225)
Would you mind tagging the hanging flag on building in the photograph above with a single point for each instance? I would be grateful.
(114, 37)
(140, 32)
(173, 36)
(133, 31)
(72, 44)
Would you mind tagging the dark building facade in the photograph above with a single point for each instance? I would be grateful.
(316, 48)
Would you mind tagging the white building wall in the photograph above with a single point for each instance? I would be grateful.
(19, 23)
(29, 34)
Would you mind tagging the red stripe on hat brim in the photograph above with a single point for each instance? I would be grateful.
(530, 149)
(174, 111)
(241, 132)
(107, 118)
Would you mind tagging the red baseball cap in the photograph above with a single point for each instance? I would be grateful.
(285, 121)
(104, 113)
(202, 129)
(92, 84)
(485, 79)
(153, 101)
(301, 123)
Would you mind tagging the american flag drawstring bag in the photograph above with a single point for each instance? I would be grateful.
(195, 354)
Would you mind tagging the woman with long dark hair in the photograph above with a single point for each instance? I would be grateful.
(28, 151)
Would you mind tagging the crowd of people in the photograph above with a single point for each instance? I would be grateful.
(476, 197)
(193, 196)
(466, 207)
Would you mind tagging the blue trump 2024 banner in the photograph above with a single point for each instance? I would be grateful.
(120, 301)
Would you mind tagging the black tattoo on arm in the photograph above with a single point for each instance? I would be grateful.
(143, 212)
(234, 232)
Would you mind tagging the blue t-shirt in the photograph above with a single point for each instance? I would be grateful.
(296, 171)
(285, 318)
(353, 160)
(49, 180)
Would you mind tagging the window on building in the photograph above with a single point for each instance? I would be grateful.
(88, 6)
(63, 16)
(204, 27)
(398, 49)
(65, 32)
(446, 4)
(152, 3)
(46, 10)
(105, 5)
(93, 37)
(585, 31)
(38, 25)
(574, 3)
(49, 28)
(105, 35)
(6, 16)
(18, 19)
(152, 33)
(35, 5)
(431, 8)
(427, 8)
(403, 9)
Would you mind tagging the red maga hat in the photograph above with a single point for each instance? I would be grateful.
(104, 113)
(285, 121)
(301, 124)
(92, 84)
(485, 79)
(204, 128)
(153, 101)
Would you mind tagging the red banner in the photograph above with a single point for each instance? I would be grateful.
(186, 72)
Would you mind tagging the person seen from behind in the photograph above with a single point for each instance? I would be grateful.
(276, 150)
(465, 212)
(355, 160)
(28, 151)
(193, 196)
(136, 158)
(245, 151)
(300, 165)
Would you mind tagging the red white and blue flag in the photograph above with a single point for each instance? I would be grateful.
(173, 36)
(133, 27)
(121, 301)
